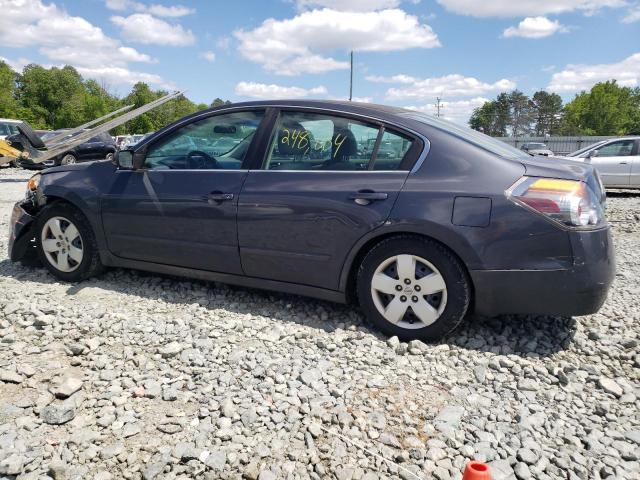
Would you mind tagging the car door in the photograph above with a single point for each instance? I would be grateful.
(614, 162)
(92, 149)
(319, 189)
(180, 208)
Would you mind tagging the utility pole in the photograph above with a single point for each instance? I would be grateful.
(438, 106)
(351, 79)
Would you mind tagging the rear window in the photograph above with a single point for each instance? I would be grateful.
(480, 139)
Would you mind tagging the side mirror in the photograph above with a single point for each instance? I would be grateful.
(593, 153)
(129, 160)
(124, 159)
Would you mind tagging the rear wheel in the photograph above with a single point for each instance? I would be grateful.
(66, 243)
(414, 288)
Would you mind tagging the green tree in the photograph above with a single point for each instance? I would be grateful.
(608, 109)
(547, 108)
(218, 102)
(8, 102)
(521, 113)
(494, 117)
(55, 95)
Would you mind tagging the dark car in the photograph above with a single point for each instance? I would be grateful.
(454, 222)
(99, 147)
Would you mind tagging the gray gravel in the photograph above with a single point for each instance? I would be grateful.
(134, 375)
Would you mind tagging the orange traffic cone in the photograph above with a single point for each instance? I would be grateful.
(476, 471)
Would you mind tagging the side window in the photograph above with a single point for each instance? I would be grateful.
(309, 141)
(616, 149)
(392, 150)
(218, 142)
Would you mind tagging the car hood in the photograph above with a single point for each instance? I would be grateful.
(541, 151)
(75, 167)
(557, 167)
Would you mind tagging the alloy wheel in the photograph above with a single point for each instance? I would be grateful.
(408, 291)
(62, 244)
(68, 159)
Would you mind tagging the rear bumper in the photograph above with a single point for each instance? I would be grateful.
(580, 290)
(20, 233)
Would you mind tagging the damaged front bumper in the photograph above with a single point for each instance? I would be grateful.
(21, 232)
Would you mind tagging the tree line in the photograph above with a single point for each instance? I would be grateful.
(607, 109)
(55, 98)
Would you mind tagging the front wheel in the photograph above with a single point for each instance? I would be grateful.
(66, 243)
(414, 288)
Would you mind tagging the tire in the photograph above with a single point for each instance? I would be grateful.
(414, 314)
(68, 159)
(53, 244)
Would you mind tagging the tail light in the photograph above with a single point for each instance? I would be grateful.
(570, 203)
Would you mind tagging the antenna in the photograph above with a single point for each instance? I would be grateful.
(351, 79)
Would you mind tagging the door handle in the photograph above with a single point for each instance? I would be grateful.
(219, 197)
(366, 197)
(623, 163)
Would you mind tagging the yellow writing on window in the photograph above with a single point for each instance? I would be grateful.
(300, 140)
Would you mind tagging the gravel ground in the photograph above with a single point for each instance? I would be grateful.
(133, 375)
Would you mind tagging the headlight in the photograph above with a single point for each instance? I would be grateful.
(32, 184)
(570, 203)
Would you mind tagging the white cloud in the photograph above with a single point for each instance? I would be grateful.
(401, 78)
(458, 111)
(119, 75)
(145, 28)
(320, 32)
(349, 5)
(16, 65)
(535, 27)
(575, 78)
(209, 56)
(64, 38)
(154, 9)
(525, 8)
(262, 90)
(454, 85)
(633, 14)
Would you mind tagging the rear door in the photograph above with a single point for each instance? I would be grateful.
(320, 188)
(614, 162)
(180, 209)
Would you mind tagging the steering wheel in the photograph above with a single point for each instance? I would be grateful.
(199, 160)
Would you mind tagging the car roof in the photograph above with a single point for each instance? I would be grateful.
(345, 106)
(10, 120)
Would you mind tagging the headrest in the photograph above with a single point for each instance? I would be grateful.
(343, 144)
(293, 139)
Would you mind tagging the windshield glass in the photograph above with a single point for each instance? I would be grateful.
(540, 146)
(480, 139)
(582, 150)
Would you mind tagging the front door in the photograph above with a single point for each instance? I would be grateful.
(181, 208)
(614, 162)
(319, 190)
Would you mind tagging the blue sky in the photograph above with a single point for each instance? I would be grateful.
(407, 53)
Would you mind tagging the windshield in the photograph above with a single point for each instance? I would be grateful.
(480, 139)
(582, 150)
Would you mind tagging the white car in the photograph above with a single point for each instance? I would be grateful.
(8, 127)
(537, 149)
(617, 161)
